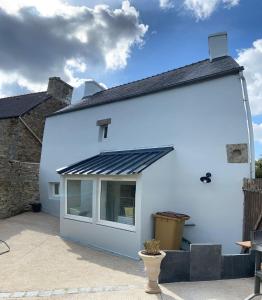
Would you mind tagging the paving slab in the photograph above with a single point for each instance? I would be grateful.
(41, 265)
(41, 260)
(234, 289)
(205, 262)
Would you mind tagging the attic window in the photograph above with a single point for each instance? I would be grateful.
(105, 131)
(103, 128)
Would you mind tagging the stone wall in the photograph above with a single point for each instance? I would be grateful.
(20, 154)
(8, 138)
(18, 186)
(17, 142)
(28, 147)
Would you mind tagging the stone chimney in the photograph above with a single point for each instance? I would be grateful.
(217, 44)
(60, 89)
(92, 87)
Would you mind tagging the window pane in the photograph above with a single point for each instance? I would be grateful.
(53, 190)
(56, 188)
(117, 203)
(79, 197)
(105, 131)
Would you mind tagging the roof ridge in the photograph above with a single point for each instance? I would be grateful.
(165, 72)
(22, 95)
(187, 74)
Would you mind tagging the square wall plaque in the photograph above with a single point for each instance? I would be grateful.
(237, 153)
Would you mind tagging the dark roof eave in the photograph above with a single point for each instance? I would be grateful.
(188, 82)
(21, 113)
(26, 111)
(11, 117)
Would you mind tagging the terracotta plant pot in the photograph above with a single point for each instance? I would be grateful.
(152, 268)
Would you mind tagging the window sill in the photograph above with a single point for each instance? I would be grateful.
(115, 225)
(79, 218)
(56, 198)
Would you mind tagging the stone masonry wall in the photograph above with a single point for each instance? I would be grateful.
(20, 154)
(8, 138)
(28, 148)
(18, 186)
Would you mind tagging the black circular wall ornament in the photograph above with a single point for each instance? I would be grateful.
(206, 179)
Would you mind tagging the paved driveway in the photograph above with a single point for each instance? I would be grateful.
(41, 263)
(40, 259)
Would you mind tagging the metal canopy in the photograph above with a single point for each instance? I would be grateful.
(117, 162)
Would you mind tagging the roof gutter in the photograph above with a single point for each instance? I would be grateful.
(30, 130)
(249, 125)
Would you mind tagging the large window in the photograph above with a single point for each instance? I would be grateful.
(79, 198)
(117, 201)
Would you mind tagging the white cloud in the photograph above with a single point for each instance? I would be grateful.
(39, 40)
(165, 4)
(201, 9)
(251, 59)
(231, 3)
(43, 7)
(257, 132)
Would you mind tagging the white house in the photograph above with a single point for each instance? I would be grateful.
(127, 152)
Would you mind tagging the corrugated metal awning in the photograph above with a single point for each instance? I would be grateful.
(117, 162)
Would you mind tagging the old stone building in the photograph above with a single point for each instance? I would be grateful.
(22, 120)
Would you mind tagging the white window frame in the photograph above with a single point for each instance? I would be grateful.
(101, 133)
(81, 218)
(51, 190)
(111, 223)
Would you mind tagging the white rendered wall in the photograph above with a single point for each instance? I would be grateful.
(199, 120)
(157, 186)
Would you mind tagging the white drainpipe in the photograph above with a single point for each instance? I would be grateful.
(249, 125)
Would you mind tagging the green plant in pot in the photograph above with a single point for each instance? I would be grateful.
(152, 257)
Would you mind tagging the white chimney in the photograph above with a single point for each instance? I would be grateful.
(217, 44)
(92, 87)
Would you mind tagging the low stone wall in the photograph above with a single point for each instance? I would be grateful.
(205, 262)
(18, 186)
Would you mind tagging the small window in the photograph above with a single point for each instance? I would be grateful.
(117, 201)
(103, 129)
(103, 133)
(54, 189)
(79, 198)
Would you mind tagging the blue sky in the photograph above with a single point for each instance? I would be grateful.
(130, 41)
(175, 38)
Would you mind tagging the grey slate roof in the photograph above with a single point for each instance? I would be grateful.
(117, 162)
(16, 106)
(189, 74)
